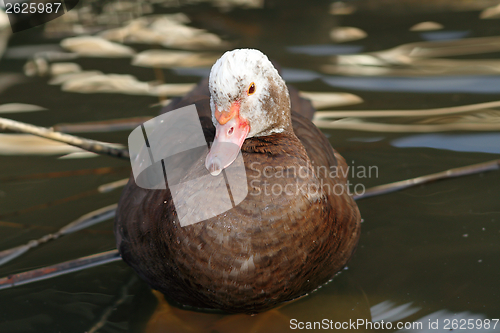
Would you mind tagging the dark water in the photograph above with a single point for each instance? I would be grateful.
(428, 253)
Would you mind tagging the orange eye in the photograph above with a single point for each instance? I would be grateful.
(251, 89)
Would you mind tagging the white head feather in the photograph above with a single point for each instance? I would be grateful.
(230, 78)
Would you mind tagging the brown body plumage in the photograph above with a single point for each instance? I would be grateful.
(268, 249)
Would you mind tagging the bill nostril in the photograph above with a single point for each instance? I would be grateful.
(230, 131)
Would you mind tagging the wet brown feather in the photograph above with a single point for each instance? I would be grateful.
(296, 242)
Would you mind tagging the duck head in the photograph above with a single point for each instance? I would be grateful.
(248, 98)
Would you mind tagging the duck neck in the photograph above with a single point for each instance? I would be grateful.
(277, 143)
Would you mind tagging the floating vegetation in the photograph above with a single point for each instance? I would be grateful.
(467, 46)
(73, 79)
(359, 125)
(166, 30)
(168, 59)
(27, 144)
(5, 31)
(475, 117)
(417, 67)
(490, 12)
(346, 34)
(36, 67)
(427, 26)
(321, 100)
(40, 65)
(62, 68)
(341, 8)
(4, 20)
(66, 77)
(407, 113)
(78, 155)
(94, 16)
(20, 107)
(123, 84)
(415, 59)
(91, 46)
(113, 185)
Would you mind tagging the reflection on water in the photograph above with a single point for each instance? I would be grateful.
(427, 26)
(444, 35)
(431, 85)
(415, 59)
(481, 143)
(325, 50)
(421, 69)
(389, 311)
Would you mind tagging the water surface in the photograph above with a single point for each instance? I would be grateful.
(426, 253)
